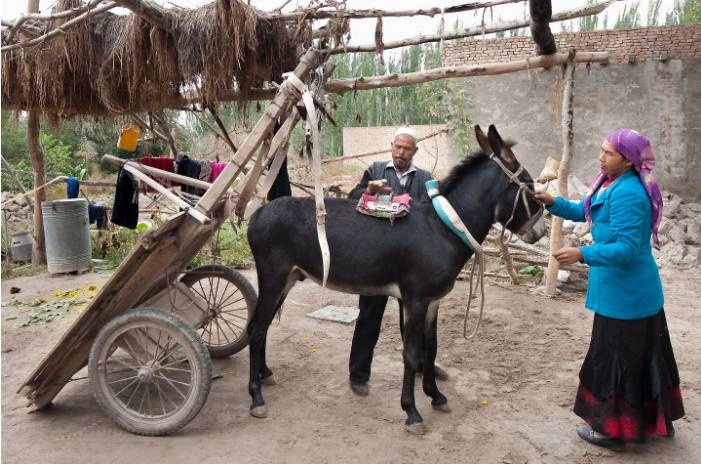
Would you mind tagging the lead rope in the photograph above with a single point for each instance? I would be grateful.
(313, 128)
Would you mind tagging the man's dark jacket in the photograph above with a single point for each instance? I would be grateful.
(415, 185)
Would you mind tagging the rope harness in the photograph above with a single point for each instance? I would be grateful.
(452, 220)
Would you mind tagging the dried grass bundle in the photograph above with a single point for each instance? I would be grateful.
(124, 64)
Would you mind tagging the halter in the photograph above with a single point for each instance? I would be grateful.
(523, 189)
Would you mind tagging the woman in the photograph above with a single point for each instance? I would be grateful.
(629, 382)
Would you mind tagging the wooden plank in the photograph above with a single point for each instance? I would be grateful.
(126, 287)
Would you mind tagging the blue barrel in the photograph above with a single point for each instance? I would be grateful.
(67, 234)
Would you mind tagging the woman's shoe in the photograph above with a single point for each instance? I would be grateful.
(670, 429)
(595, 438)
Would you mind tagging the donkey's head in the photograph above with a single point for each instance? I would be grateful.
(516, 208)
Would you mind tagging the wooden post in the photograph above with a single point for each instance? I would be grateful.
(563, 172)
(36, 156)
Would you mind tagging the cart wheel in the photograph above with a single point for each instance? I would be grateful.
(150, 371)
(231, 300)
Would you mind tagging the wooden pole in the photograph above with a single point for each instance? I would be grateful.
(398, 80)
(563, 172)
(158, 172)
(314, 13)
(476, 31)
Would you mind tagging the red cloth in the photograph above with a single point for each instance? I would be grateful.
(165, 163)
(217, 168)
(615, 418)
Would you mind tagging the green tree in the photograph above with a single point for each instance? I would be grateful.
(629, 17)
(684, 12)
(653, 12)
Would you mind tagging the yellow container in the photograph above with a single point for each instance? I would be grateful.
(128, 138)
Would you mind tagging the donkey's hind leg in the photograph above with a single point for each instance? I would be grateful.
(438, 400)
(272, 290)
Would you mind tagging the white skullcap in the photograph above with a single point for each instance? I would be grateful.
(406, 131)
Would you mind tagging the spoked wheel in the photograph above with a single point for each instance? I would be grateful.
(231, 300)
(150, 371)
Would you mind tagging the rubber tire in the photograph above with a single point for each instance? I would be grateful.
(247, 291)
(202, 368)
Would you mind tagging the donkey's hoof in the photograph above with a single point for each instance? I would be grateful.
(269, 381)
(417, 428)
(259, 412)
(442, 407)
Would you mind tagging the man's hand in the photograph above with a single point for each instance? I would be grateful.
(568, 255)
(377, 186)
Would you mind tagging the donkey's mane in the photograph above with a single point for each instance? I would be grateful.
(462, 168)
(459, 171)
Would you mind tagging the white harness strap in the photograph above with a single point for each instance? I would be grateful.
(313, 128)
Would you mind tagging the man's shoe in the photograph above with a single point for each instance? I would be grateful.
(360, 388)
(595, 438)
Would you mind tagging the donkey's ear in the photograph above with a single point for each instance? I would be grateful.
(483, 140)
(501, 149)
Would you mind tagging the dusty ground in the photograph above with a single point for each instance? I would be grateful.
(511, 390)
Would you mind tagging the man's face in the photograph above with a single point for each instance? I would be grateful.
(403, 151)
(612, 163)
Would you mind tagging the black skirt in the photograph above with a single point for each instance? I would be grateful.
(629, 381)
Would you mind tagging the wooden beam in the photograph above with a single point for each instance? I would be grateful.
(398, 80)
(151, 12)
(475, 31)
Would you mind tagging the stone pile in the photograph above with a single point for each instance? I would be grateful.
(17, 212)
(679, 233)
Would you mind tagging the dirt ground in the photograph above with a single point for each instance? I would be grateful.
(511, 389)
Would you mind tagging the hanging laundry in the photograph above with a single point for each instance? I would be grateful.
(165, 163)
(190, 168)
(281, 184)
(97, 214)
(206, 170)
(217, 168)
(72, 187)
(125, 211)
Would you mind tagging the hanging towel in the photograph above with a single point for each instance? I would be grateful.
(217, 168)
(126, 201)
(72, 187)
(165, 163)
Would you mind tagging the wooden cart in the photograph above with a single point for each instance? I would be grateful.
(147, 337)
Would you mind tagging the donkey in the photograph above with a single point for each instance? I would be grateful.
(417, 259)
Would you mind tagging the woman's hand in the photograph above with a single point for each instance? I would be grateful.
(544, 197)
(568, 255)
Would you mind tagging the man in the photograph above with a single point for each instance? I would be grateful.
(398, 176)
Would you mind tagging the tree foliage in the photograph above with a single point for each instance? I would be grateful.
(684, 12)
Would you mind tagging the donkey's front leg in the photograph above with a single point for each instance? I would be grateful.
(438, 400)
(414, 317)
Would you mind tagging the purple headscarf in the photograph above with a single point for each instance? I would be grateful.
(634, 147)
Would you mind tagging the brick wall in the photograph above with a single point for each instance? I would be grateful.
(623, 45)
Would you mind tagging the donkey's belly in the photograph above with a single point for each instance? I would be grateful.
(390, 289)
